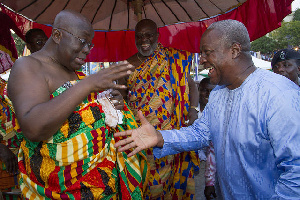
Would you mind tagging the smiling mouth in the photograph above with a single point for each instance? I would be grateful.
(210, 69)
(145, 46)
(81, 60)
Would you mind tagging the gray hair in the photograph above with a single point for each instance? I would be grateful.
(232, 31)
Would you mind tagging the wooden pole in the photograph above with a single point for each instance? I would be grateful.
(138, 5)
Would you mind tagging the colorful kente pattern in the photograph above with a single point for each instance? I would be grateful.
(7, 118)
(9, 138)
(80, 161)
(159, 88)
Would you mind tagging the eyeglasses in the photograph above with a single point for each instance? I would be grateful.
(83, 41)
(144, 35)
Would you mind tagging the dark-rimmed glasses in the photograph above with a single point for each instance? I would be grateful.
(83, 41)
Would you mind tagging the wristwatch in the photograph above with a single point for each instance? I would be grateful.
(196, 108)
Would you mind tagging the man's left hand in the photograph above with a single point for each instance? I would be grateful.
(117, 99)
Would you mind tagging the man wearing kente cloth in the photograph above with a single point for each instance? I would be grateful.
(163, 90)
(66, 125)
(9, 145)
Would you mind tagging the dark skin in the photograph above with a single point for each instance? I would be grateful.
(35, 77)
(204, 90)
(146, 38)
(37, 41)
(288, 68)
(9, 158)
(220, 60)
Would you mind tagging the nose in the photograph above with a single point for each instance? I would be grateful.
(145, 39)
(202, 59)
(86, 50)
(281, 68)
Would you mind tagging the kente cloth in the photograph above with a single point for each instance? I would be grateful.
(80, 161)
(159, 88)
(8, 136)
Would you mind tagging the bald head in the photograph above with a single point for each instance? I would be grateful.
(146, 23)
(71, 39)
(71, 21)
(231, 32)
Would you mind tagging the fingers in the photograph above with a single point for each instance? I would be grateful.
(117, 99)
(113, 73)
(127, 146)
(135, 151)
(121, 66)
(142, 118)
(116, 94)
(123, 141)
(120, 106)
(119, 75)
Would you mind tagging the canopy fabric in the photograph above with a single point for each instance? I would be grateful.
(10, 21)
(115, 15)
(259, 16)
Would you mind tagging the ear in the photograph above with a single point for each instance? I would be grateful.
(236, 49)
(56, 35)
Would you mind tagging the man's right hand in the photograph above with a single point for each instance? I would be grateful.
(9, 159)
(141, 138)
(105, 78)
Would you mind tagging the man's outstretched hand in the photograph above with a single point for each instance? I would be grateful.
(141, 138)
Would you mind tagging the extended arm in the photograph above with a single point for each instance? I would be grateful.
(38, 116)
(173, 141)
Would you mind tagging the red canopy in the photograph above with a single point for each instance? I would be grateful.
(259, 16)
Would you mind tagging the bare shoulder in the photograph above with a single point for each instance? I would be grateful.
(25, 65)
(26, 73)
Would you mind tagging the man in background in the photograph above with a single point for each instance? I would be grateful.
(286, 62)
(163, 90)
(35, 39)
